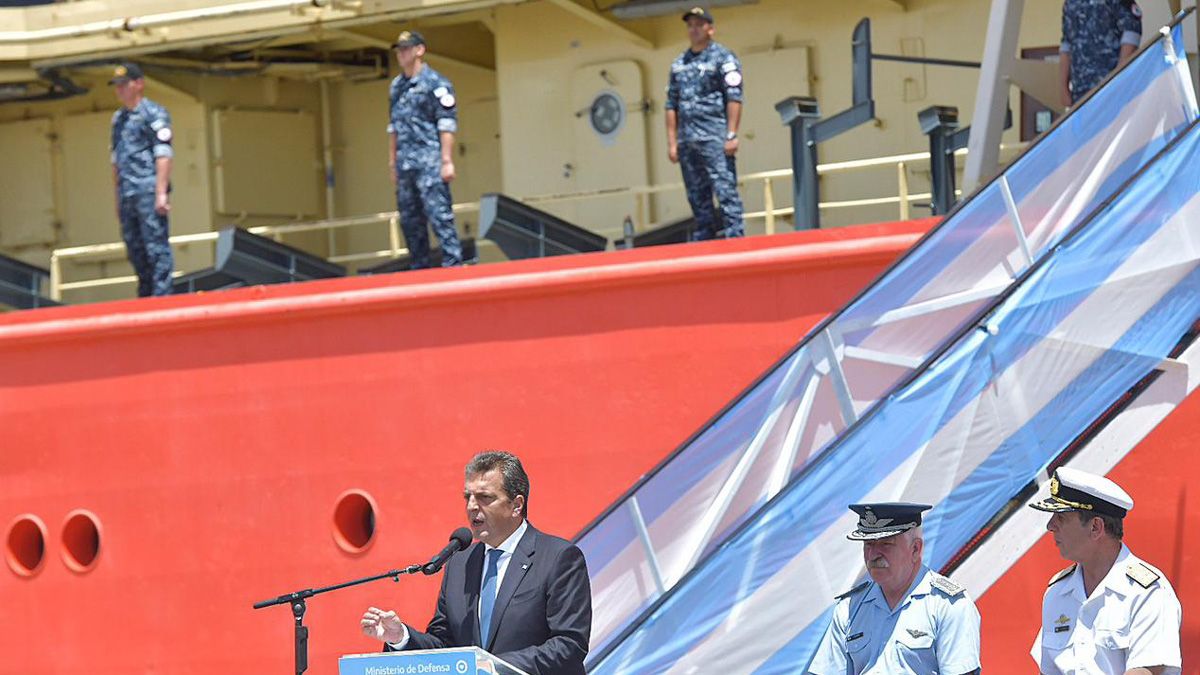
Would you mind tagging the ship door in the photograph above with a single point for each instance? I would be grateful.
(609, 134)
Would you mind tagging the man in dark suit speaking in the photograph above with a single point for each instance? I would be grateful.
(519, 593)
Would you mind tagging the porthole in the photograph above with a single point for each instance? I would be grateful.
(354, 521)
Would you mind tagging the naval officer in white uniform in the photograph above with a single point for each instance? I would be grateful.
(1110, 613)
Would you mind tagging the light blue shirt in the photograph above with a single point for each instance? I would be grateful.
(934, 629)
(506, 553)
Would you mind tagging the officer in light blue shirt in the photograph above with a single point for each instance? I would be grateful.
(906, 618)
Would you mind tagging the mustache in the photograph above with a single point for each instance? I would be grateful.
(878, 563)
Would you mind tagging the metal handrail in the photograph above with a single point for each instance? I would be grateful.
(770, 212)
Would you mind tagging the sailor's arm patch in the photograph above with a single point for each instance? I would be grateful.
(1062, 574)
(1141, 574)
(946, 586)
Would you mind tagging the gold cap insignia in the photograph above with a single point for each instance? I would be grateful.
(1055, 487)
(697, 10)
(121, 71)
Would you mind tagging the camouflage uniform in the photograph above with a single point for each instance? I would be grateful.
(139, 137)
(1092, 33)
(420, 109)
(700, 86)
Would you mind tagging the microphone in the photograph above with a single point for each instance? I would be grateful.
(460, 539)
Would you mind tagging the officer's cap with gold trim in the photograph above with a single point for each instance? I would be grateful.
(699, 13)
(409, 38)
(880, 521)
(126, 72)
(1075, 490)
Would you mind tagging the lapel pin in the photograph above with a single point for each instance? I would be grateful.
(525, 566)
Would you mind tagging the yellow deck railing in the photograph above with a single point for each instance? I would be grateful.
(764, 180)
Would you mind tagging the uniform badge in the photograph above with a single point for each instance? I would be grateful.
(854, 637)
(440, 92)
(733, 78)
(163, 134)
(1062, 618)
(729, 65)
(946, 586)
(447, 101)
(916, 633)
(869, 519)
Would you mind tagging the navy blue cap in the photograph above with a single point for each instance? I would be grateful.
(409, 38)
(126, 72)
(699, 13)
(886, 519)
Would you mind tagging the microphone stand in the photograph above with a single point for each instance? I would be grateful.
(297, 601)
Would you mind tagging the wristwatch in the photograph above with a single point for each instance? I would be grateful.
(730, 135)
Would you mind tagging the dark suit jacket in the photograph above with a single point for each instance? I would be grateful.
(542, 618)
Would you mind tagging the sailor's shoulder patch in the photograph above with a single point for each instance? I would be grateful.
(1062, 574)
(862, 586)
(1142, 574)
(946, 586)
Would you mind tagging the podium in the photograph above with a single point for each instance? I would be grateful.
(456, 661)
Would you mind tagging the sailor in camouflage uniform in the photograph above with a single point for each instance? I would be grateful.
(906, 618)
(141, 159)
(423, 119)
(704, 107)
(1097, 36)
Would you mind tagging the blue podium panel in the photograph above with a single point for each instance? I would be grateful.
(436, 662)
(458, 661)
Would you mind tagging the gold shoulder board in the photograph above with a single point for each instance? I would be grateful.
(1143, 575)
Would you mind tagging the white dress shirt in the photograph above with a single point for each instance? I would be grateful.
(1122, 625)
(508, 546)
